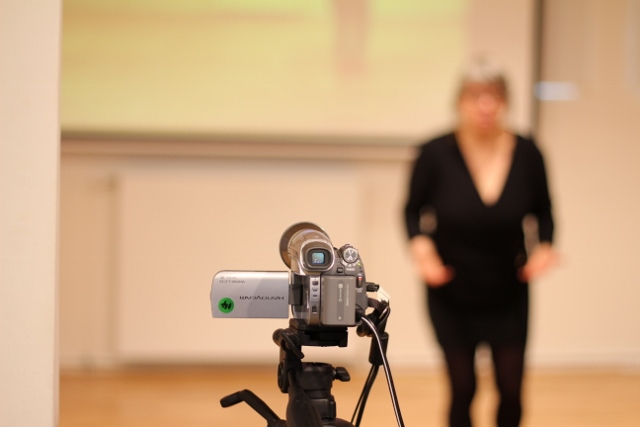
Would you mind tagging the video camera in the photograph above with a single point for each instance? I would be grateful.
(324, 287)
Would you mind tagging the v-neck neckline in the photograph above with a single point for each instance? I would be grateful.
(473, 183)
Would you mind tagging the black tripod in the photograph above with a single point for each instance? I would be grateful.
(308, 385)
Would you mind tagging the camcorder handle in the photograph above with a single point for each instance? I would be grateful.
(378, 317)
(256, 404)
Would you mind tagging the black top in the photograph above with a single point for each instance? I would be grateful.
(483, 243)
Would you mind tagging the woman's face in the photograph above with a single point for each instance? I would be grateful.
(481, 106)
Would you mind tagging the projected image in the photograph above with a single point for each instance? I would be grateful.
(340, 67)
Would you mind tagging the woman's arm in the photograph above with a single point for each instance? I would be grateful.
(542, 256)
(428, 262)
(541, 259)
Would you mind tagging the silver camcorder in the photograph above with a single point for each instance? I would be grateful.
(324, 286)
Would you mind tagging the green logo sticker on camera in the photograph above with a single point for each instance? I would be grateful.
(226, 305)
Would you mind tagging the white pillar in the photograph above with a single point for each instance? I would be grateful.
(29, 159)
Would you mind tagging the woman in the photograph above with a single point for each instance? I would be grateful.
(469, 194)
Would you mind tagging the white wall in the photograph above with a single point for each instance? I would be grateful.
(586, 312)
(143, 236)
(29, 150)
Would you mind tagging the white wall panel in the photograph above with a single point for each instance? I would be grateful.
(176, 229)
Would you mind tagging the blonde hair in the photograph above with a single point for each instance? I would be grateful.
(483, 71)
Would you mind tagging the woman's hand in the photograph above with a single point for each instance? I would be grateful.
(428, 262)
(542, 258)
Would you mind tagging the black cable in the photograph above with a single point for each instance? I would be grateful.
(387, 371)
(380, 319)
(382, 323)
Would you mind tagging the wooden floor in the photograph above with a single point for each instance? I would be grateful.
(189, 397)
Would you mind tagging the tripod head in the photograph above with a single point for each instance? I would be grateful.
(311, 403)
